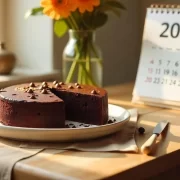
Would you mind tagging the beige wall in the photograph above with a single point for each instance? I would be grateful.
(2, 10)
(31, 39)
(120, 42)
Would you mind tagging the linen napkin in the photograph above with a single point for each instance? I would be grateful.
(121, 141)
(13, 151)
(9, 156)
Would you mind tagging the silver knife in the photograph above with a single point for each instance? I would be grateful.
(148, 145)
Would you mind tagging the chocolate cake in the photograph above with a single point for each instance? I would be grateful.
(47, 105)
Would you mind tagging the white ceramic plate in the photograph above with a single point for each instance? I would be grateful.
(69, 134)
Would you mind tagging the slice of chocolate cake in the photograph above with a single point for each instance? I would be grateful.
(29, 106)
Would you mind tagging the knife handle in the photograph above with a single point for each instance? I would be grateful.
(148, 145)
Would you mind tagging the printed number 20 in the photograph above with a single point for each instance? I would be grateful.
(175, 30)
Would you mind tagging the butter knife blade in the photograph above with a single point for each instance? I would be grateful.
(160, 127)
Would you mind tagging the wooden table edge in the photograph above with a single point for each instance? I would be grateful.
(145, 170)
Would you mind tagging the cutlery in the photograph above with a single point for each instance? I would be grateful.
(148, 145)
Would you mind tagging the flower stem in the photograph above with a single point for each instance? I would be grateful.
(82, 60)
(83, 75)
(73, 21)
(90, 78)
(73, 67)
(88, 62)
(80, 72)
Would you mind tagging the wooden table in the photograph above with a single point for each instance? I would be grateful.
(164, 161)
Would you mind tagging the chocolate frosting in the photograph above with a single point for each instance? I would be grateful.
(19, 93)
(47, 105)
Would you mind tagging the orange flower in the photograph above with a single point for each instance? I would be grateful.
(58, 8)
(87, 5)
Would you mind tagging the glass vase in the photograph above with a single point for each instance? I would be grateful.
(82, 59)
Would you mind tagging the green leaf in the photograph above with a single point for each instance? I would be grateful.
(34, 12)
(113, 10)
(115, 4)
(99, 19)
(60, 27)
(87, 20)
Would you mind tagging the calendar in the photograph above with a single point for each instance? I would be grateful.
(158, 77)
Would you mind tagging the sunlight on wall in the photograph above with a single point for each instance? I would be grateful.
(2, 35)
(31, 40)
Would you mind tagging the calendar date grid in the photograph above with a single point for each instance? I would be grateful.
(162, 81)
(163, 72)
(163, 67)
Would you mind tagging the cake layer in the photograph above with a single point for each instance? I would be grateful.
(26, 106)
(83, 103)
(47, 105)
(32, 114)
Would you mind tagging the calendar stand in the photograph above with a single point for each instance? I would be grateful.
(158, 77)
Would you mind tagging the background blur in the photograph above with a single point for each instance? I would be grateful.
(36, 47)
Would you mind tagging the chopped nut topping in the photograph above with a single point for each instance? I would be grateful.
(57, 85)
(30, 91)
(77, 84)
(79, 87)
(41, 87)
(93, 92)
(32, 84)
(45, 86)
(110, 121)
(44, 83)
(70, 87)
(61, 83)
(33, 97)
(55, 82)
(44, 91)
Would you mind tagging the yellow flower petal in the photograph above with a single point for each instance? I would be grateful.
(45, 3)
(57, 17)
(87, 5)
(96, 2)
(55, 9)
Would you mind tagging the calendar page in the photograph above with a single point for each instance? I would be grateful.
(158, 74)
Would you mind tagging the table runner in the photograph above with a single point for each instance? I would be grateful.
(14, 151)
